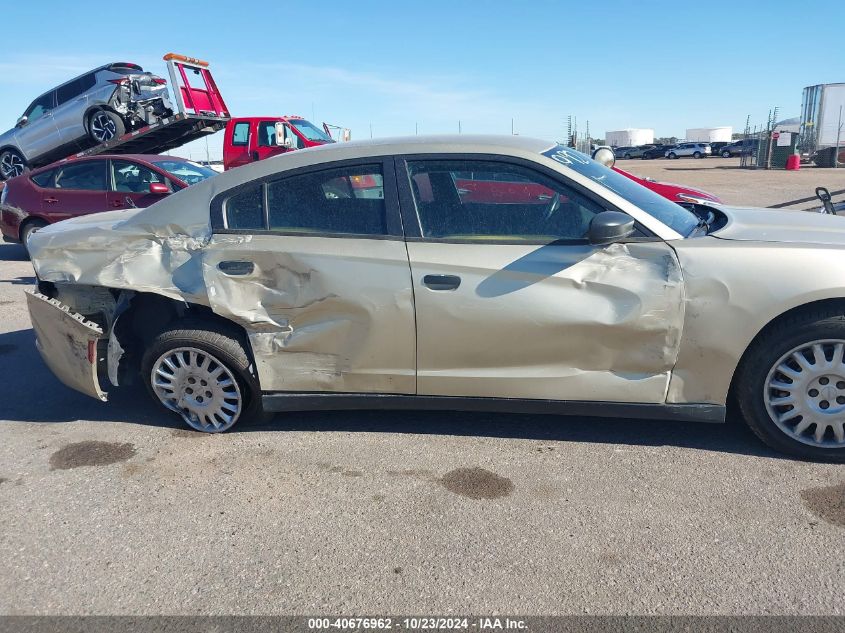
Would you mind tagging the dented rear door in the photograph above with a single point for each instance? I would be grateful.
(314, 266)
(506, 311)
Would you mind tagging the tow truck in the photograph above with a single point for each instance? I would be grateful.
(200, 110)
(249, 139)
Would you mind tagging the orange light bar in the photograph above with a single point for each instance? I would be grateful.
(184, 58)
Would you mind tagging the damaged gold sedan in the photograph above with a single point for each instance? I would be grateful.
(451, 273)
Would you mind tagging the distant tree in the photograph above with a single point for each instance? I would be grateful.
(666, 140)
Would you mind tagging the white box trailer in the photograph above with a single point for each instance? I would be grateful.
(821, 109)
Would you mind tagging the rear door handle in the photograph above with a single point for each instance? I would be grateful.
(442, 282)
(51, 200)
(236, 267)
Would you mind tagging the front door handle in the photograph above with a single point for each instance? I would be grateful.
(236, 267)
(442, 282)
(51, 200)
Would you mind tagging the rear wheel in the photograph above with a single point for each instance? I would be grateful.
(726, 154)
(12, 163)
(696, 155)
(201, 371)
(672, 155)
(791, 386)
(627, 156)
(103, 126)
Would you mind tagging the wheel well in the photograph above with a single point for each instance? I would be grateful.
(29, 221)
(823, 305)
(149, 314)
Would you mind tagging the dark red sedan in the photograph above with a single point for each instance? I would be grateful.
(80, 186)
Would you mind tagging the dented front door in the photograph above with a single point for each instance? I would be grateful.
(512, 302)
(321, 283)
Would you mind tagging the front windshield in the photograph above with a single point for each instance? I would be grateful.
(310, 131)
(186, 171)
(671, 214)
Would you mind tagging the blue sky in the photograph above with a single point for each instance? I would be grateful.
(400, 66)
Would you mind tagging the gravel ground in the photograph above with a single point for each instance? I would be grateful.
(740, 186)
(115, 509)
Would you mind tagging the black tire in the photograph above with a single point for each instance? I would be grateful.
(793, 331)
(696, 155)
(104, 126)
(672, 155)
(628, 156)
(27, 229)
(224, 344)
(12, 163)
(726, 154)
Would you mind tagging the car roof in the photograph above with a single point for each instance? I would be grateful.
(87, 72)
(148, 158)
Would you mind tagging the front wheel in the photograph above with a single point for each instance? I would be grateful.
(202, 372)
(103, 126)
(791, 386)
(726, 154)
(12, 163)
(696, 155)
(673, 155)
(628, 156)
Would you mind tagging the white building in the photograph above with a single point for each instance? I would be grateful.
(629, 138)
(710, 134)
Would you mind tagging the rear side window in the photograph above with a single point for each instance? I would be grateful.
(75, 88)
(347, 200)
(240, 135)
(44, 179)
(88, 176)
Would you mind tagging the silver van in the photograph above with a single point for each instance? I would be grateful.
(88, 110)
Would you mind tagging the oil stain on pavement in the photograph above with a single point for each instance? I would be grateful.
(827, 503)
(90, 453)
(476, 483)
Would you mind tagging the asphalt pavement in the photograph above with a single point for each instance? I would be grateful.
(115, 508)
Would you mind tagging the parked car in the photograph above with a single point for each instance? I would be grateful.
(740, 148)
(658, 151)
(90, 185)
(277, 287)
(637, 152)
(88, 110)
(680, 194)
(623, 152)
(696, 150)
(716, 147)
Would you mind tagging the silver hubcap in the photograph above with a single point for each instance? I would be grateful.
(102, 127)
(805, 393)
(11, 164)
(198, 387)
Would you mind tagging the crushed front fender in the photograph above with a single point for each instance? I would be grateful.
(67, 342)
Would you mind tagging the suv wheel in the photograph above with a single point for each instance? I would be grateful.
(103, 126)
(791, 386)
(627, 156)
(11, 163)
(201, 371)
(696, 154)
(726, 154)
(672, 155)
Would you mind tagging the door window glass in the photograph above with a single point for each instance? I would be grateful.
(345, 200)
(39, 107)
(89, 176)
(132, 177)
(74, 88)
(489, 200)
(267, 134)
(44, 179)
(240, 135)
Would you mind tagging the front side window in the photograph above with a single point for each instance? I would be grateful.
(240, 135)
(488, 200)
(39, 107)
(44, 179)
(88, 176)
(131, 177)
(267, 134)
(346, 200)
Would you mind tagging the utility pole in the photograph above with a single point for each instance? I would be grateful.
(838, 137)
(416, 128)
(511, 126)
(459, 126)
(371, 130)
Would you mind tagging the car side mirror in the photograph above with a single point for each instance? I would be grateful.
(280, 134)
(159, 188)
(22, 121)
(608, 227)
(824, 195)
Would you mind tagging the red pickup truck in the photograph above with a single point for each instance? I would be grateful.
(249, 139)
